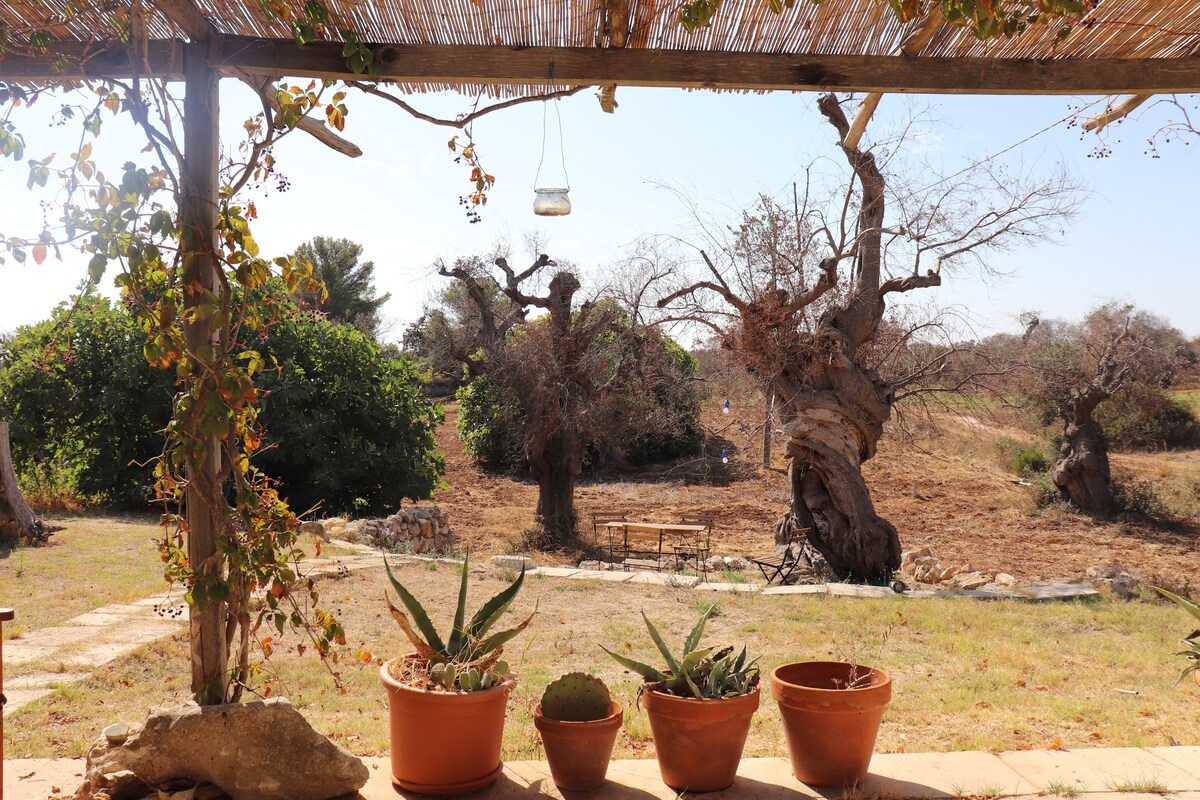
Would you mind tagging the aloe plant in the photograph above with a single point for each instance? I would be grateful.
(469, 658)
(1192, 640)
(697, 672)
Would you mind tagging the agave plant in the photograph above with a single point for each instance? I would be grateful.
(698, 672)
(469, 658)
(1192, 640)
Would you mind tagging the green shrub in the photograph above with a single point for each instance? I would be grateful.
(1146, 417)
(86, 410)
(1022, 459)
(342, 421)
(492, 445)
(1133, 496)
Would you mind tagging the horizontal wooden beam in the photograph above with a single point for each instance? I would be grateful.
(720, 70)
(636, 67)
(71, 60)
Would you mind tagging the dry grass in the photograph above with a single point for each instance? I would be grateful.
(968, 675)
(92, 562)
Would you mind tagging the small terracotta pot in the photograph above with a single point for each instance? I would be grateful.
(579, 752)
(442, 742)
(699, 742)
(1196, 677)
(830, 728)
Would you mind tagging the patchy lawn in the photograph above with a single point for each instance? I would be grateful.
(968, 674)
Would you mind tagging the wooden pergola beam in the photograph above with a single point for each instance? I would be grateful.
(71, 60)
(187, 17)
(453, 64)
(916, 41)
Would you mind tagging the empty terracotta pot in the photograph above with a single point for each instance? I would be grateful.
(579, 752)
(699, 742)
(443, 742)
(831, 713)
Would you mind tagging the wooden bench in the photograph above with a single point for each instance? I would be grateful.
(781, 565)
(640, 544)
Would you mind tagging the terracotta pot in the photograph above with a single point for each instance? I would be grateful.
(699, 742)
(579, 752)
(1196, 677)
(442, 742)
(830, 728)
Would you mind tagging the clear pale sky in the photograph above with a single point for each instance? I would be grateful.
(1136, 238)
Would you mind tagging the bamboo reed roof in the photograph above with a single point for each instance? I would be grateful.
(1114, 29)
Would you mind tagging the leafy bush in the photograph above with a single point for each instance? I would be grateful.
(492, 445)
(343, 424)
(1022, 459)
(86, 409)
(1134, 496)
(1147, 418)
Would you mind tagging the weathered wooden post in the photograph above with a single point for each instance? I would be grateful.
(6, 615)
(198, 216)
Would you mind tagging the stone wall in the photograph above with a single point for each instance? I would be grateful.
(420, 530)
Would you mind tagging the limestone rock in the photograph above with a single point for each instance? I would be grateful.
(1004, 579)
(314, 529)
(253, 751)
(971, 580)
(513, 562)
(1124, 583)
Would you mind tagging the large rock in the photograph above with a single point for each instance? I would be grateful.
(263, 750)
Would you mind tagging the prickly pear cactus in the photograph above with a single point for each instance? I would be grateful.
(576, 697)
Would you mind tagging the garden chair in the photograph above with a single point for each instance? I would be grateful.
(782, 564)
(696, 545)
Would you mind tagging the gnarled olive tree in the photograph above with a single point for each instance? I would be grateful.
(800, 295)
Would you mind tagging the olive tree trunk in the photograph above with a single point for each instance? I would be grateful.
(1082, 473)
(17, 520)
(556, 468)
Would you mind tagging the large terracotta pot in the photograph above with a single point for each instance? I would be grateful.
(579, 752)
(442, 742)
(830, 728)
(699, 742)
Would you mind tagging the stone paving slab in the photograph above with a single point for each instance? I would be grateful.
(553, 572)
(729, 587)
(36, 778)
(855, 590)
(1058, 591)
(1108, 769)
(1185, 758)
(1019, 775)
(944, 775)
(804, 588)
(602, 575)
(659, 579)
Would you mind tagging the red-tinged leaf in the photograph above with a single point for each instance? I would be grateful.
(1094, 735)
(39, 253)
(1057, 743)
(1019, 683)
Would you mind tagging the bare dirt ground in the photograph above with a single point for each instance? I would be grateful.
(946, 490)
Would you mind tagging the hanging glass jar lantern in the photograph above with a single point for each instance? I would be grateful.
(552, 201)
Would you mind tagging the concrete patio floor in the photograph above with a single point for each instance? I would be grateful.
(1123, 773)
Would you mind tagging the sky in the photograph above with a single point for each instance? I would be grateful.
(1134, 240)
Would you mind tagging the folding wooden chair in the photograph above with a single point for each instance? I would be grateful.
(782, 564)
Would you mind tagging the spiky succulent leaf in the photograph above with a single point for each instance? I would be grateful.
(1182, 602)
(490, 612)
(498, 640)
(418, 613)
(423, 648)
(458, 638)
(672, 664)
(645, 670)
(693, 639)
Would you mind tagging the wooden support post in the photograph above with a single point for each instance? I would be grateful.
(204, 503)
(6, 615)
